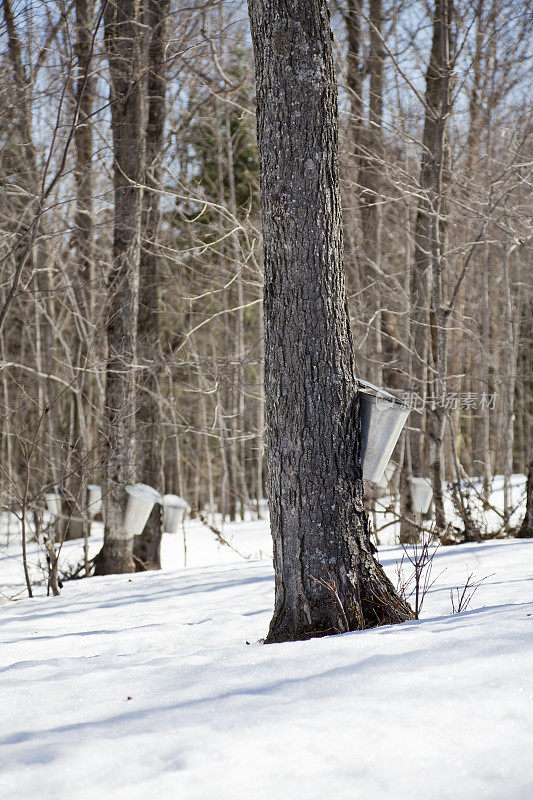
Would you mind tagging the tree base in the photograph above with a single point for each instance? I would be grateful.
(112, 560)
(145, 566)
(372, 602)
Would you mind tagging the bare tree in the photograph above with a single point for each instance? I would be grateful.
(83, 330)
(327, 579)
(427, 284)
(123, 41)
(147, 548)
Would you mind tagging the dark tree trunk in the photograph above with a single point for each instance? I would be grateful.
(354, 76)
(147, 547)
(83, 136)
(327, 580)
(83, 238)
(370, 180)
(437, 82)
(427, 285)
(438, 97)
(526, 529)
(122, 33)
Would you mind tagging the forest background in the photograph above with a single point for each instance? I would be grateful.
(131, 328)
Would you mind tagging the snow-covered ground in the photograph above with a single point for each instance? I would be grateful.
(156, 685)
(198, 547)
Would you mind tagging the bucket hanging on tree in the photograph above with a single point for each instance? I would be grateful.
(141, 500)
(174, 510)
(382, 421)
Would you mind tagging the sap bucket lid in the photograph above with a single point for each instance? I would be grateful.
(141, 491)
(174, 501)
(378, 392)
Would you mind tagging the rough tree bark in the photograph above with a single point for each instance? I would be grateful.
(327, 579)
(122, 34)
(147, 547)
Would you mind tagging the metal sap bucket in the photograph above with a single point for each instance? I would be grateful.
(94, 499)
(382, 421)
(174, 510)
(53, 502)
(141, 500)
(421, 494)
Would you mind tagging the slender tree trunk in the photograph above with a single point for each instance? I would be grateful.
(179, 483)
(408, 532)
(354, 72)
(365, 137)
(370, 180)
(260, 416)
(354, 77)
(227, 408)
(238, 427)
(85, 272)
(460, 350)
(327, 580)
(83, 136)
(223, 458)
(426, 250)
(428, 293)
(122, 34)
(9, 492)
(509, 355)
(147, 548)
(202, 394)
(526, 529)
(485, 377)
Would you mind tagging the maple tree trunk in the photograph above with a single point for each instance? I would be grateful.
(327, 579)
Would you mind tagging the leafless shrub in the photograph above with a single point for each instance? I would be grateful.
(420, 556)
(461, 597)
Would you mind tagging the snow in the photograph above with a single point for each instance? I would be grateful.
(156, 685)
